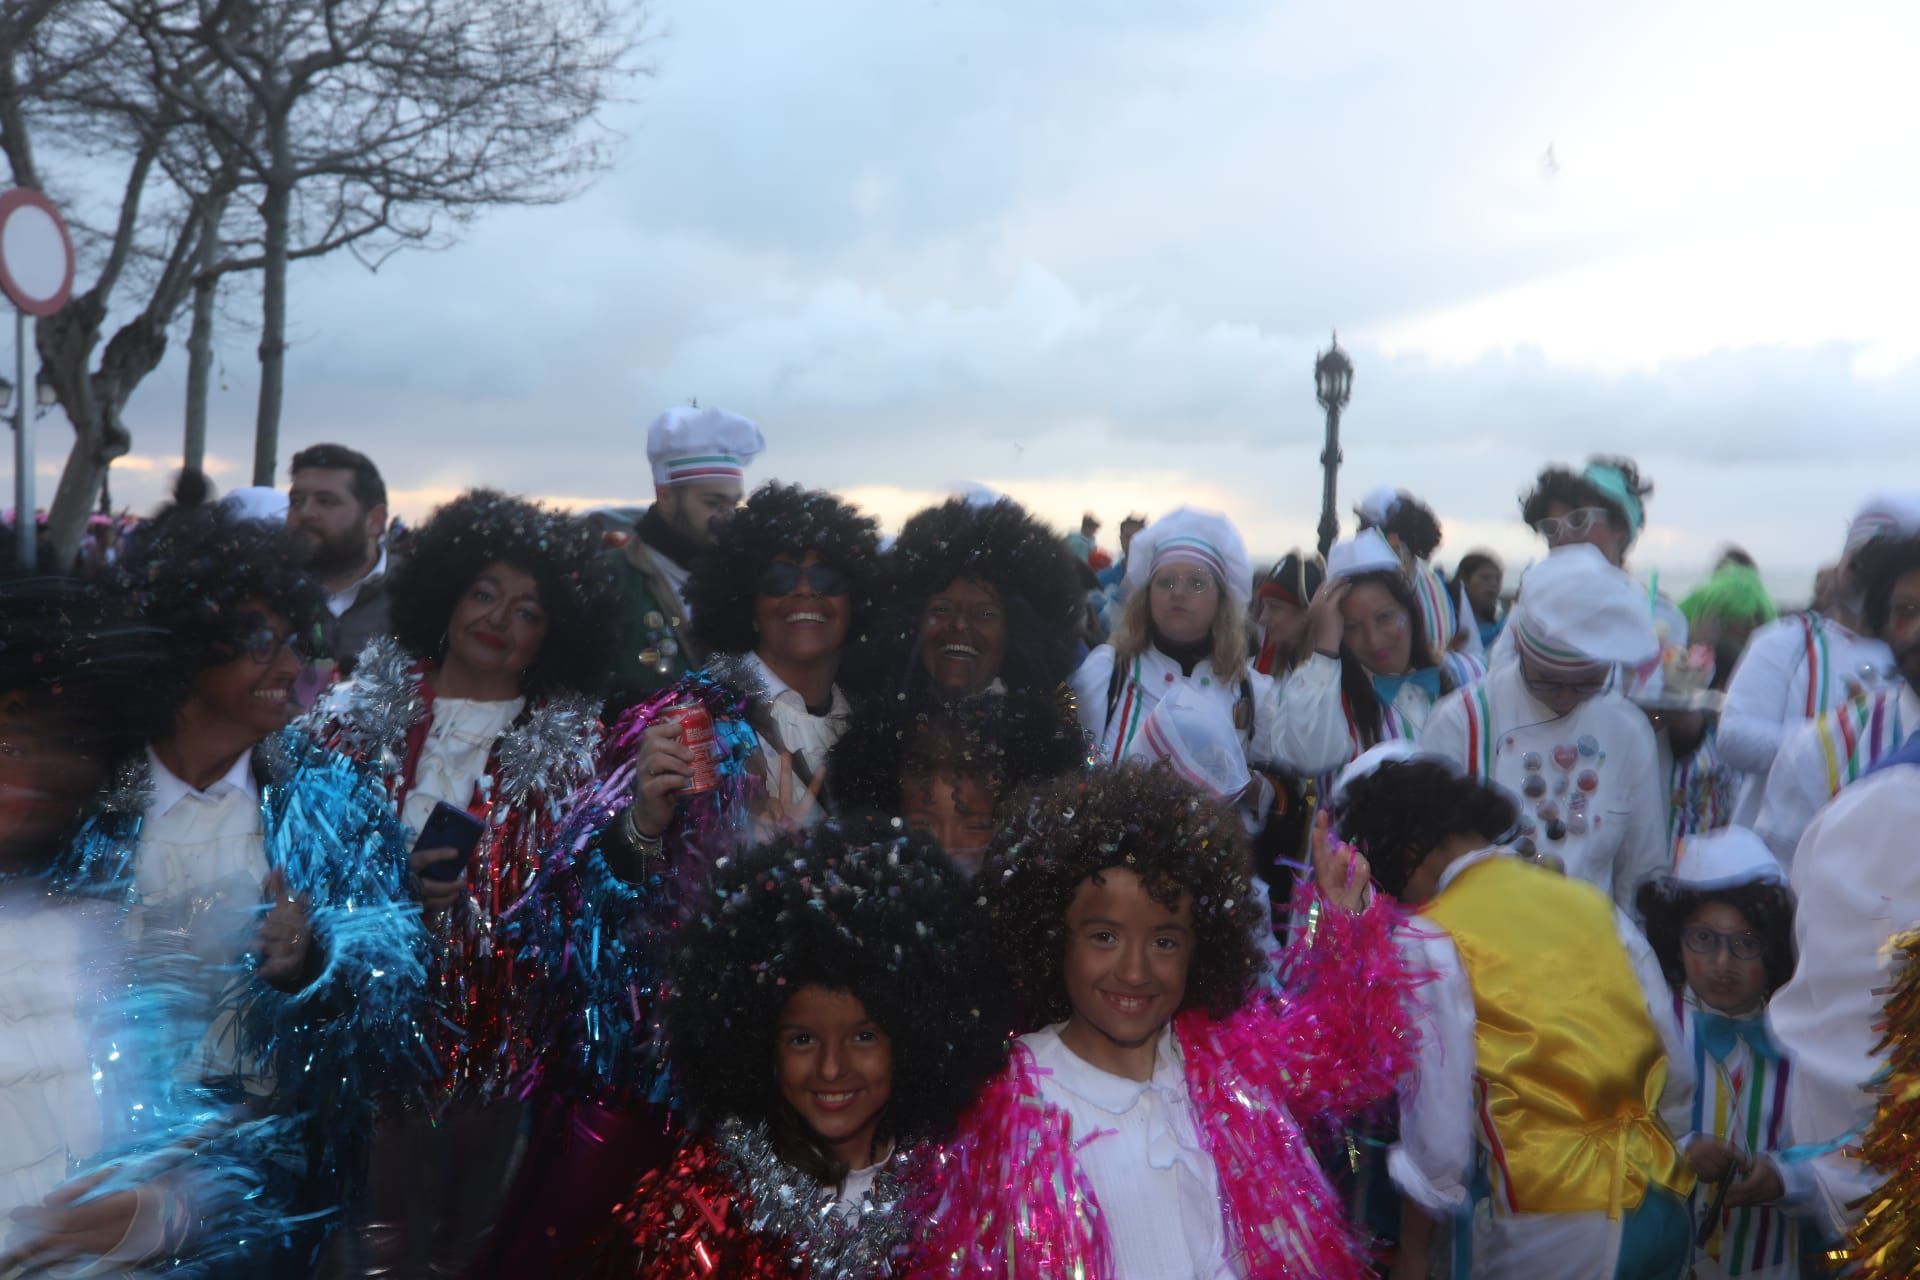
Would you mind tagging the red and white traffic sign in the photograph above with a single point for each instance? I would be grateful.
(36, 253)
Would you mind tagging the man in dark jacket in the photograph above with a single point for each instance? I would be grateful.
(337, 510)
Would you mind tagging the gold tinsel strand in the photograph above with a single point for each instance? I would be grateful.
(1886, 1243)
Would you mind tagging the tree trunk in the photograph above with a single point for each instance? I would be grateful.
(275, 209)
(193, 453)
(73, 500)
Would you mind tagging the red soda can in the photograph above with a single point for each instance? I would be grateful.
(696, 735)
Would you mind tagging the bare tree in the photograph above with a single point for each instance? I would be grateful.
(373, 124)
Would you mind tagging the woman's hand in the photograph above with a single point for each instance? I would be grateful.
(286, 934)
(1711, 1159)
(1760, 1184)
(435, 894)
(664, 769)
(1339, 872)
(1325, 624)
(59, 1228)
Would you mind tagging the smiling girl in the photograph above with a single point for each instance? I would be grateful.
(829, 1015)
(1151, 1124)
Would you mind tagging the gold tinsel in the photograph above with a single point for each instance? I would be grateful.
(1886, 1243)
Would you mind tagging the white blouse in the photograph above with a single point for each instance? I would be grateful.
(1137, 1143)
(1313, 734)
(454, 756)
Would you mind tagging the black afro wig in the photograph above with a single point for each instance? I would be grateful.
(1666, 904)
(1413, 522)
(1025, 563)
(1404, 809)
(202, 576)
(482, 527)
(1132, 818)
(778, 519)
(863, 910)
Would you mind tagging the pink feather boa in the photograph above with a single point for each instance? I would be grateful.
(1012, 1199)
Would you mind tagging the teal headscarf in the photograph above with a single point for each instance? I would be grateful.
(1612, 484)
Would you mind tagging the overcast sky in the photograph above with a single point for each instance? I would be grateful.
(1085, 252)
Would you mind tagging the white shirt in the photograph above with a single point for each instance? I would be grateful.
(454, 756)
(1151, 676)
(199, 873)
(808, 736)
(1311, 732)
(1433, 1161)
(1804, 776)
(1137, 1143)
(675, 574)
(1602, 750)
(338, 602)
(1858, 885)
(1784, 677)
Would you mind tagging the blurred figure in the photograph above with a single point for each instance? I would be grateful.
(1083, 542)
(1480, 578)
(1280, 615)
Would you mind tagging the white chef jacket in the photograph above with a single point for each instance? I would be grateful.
(1312, 734)
(1602, 750)
(1819, 757)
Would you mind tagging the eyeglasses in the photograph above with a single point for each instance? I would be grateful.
(1582, 689)
(265, 644)
(1574, 524)
(783, 576)
(1703, 941)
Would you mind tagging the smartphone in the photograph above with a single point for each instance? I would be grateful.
(449, 828)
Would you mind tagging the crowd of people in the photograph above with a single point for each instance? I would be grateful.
(728, 891)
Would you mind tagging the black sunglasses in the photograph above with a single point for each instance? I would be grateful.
(782, 576)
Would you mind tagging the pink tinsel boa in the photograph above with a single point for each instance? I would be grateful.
(1013, 1201)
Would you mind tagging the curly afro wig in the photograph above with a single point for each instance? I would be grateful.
(999, 544)
(482, 527)
(1666, 905)
(1560, 486)
(1413, 522)
(1404, 809)
(778, 519)
(1878, 567)
(866, 911)
(203, 576)
(1003, 742)
(1134, 818)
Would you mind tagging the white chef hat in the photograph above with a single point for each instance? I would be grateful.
(1576, 609)
(259, 502)
(1377, 507)
(1367, 551)
(686, 444)
(1392, 751)
(1724, 859)
(1893, 514)
(1200, 537)
(1195, 735)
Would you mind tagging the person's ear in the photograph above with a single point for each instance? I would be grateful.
(377, 520)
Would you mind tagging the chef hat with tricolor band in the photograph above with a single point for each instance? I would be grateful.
(1190, 535)
(687, 444)
(1195, 736)
(1365, 552)
(1895, 515)
(1576, 609)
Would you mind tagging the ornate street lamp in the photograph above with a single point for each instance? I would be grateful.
(1333, 383)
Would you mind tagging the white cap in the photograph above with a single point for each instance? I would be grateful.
(1196, 737)
(686, 444)
(1367, 551)
(1574, 606)
(1378, 505)
(1201, 537)
(1392, 751)
(1726, 858)
(1886, 514)
(257, 502)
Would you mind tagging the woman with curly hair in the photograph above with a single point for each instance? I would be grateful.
(484, 704)
(1722, 925)
(1545, 1059)
(1150, 1124)
(829, 1015)
(262, 866)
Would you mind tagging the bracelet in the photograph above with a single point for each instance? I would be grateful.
(640, 842)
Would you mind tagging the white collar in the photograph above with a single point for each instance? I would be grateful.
(1473, 859)
(780, 693)
(1114, 1094)
(338, 602)
(169, 789)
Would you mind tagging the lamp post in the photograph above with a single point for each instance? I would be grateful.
(1333, 383)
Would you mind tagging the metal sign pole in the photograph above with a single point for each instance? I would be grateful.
(25, 553)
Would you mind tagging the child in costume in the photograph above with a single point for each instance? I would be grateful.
(1152, 1124)
(1722, 925)
(829, 1015)
(1545, 1049)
